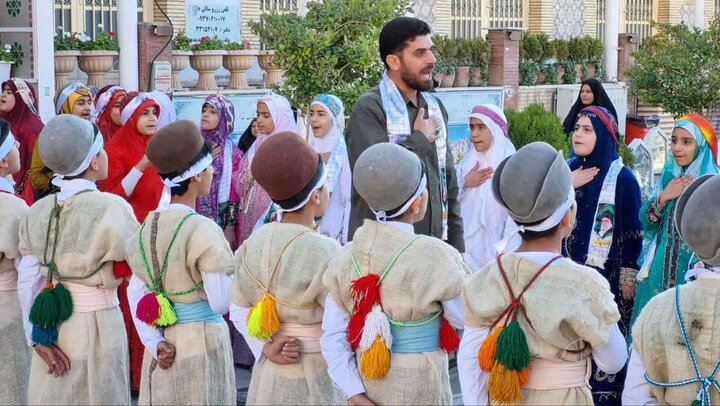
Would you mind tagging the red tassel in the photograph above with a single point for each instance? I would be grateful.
(449, 339)
(148, 309)
(365, 293)
(355, 329)
(121, 270)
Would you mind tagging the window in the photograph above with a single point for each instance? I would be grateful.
(85, 16)
(638, 18)
(506, 14)
(279, 5)
(465, 18)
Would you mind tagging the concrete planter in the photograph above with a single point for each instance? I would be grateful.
(206, 63)
(5, 70)
(180, 61)
(476, 78)
(448, 80)
(65, 63)
(274, 72)
(96, 64)
(238, 63)
(462, 76)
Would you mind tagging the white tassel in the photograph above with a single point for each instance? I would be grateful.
(376, 322)
(593, 260)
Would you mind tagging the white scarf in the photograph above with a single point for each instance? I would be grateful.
(599, 247)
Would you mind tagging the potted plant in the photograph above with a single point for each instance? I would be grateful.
(238, 60)
(595, 52)
(97, 56)
(561, 56)
(577, 52)
(181, 51)
(546, 72)
(531, 51)
(464, 62)
(207, 57)
(67, 50)
(267, 63)
(451, 62)
(480, 61)
(6, 61)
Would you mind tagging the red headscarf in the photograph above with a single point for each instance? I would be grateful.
(25, 126)
(104, 102)
(125, 150)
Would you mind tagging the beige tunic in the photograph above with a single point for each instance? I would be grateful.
(426, 274)
(661, 347)
(93, 229)
(297, 281)
(14, 349)
(570, 307)
(202, 373)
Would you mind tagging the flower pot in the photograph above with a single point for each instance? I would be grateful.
(206, 63)
(238, 63)
(180, 60)
(476, 78)
(65, 64)
(560, 73)
(590, 69)
(5, 70)
(438, 76)
(578, 73)
(448, 80)
(96, 64)
(274, 73)
(462, 76)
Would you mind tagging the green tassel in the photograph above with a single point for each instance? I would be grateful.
(512, 348)
(695, 403)
(45, 310)
(167, 313)
(64, 302)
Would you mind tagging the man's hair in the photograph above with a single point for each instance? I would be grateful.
(396, 34)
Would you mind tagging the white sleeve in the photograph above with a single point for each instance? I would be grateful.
(473, 380)
(637, 389)
(131, 180)
(30, 282)
(612, 356)
(149, 335)
(217, 289)
(238, 315)
(453, 312)
(337, 352)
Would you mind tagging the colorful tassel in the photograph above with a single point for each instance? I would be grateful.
(449, 338)
(512, 348)
(695, 403)
(355, 329)
(365, 293)
(121, 270)
(167, 315)
(486, 355)
(263, 321)
(148, 309)
(504, 385)
(44, 311)
(44, 336)
(253, 322)
(64, 302)
(375, 361)
(523, 376)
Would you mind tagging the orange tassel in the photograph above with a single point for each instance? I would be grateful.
(486, 355)
(375, 361)
(504, 385)
(523, 376)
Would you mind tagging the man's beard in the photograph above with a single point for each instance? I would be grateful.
(414, 82)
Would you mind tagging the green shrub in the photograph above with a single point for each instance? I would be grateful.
(480, 51)
(530, 47)
(561, 49)
(536, 124)
(237, 46)
(577, 50)
(551, 72)
(209, 44)
(528, 71)
(548, 47)
(570, 74)
(181, 42)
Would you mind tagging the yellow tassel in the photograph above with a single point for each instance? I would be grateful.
(504, 385)
(254, 324)
(486, 355)
(167, 312)
(269, 318)
(375, 361)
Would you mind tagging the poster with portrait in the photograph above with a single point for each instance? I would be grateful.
(604, 225)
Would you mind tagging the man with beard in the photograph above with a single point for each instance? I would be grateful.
(401, 111)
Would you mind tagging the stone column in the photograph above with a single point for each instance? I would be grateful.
(43, 34)
(612, 30)
(127, 35)
(700, 14)
(504, 63)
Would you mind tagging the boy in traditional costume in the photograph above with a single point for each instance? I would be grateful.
(71, 243)
(277, 293)
(178, 292)
(533, 318)
(14, 351)
(676, 346)
(394, 295)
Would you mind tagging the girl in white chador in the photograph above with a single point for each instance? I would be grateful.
(483, 218)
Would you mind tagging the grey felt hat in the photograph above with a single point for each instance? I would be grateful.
(386, 176)
(65, 142)
(532, 183)
(696, 218)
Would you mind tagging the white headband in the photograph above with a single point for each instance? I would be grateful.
(130, 108)
(197, 168)
(7, 145)
(320, 183)
(545, 225)
(382, 217)
(63, 96)
(95, 149)
(104, 99)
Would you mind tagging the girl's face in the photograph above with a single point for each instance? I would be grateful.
(265, 123)
(320, 121)
(586, 95)
(115, 112)
(683, 146)
(480, 135)
(584, 137)
(254, 128)
(209, 118)
(11, 163)
(7, 100)
(82, 108)
(147, 123)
